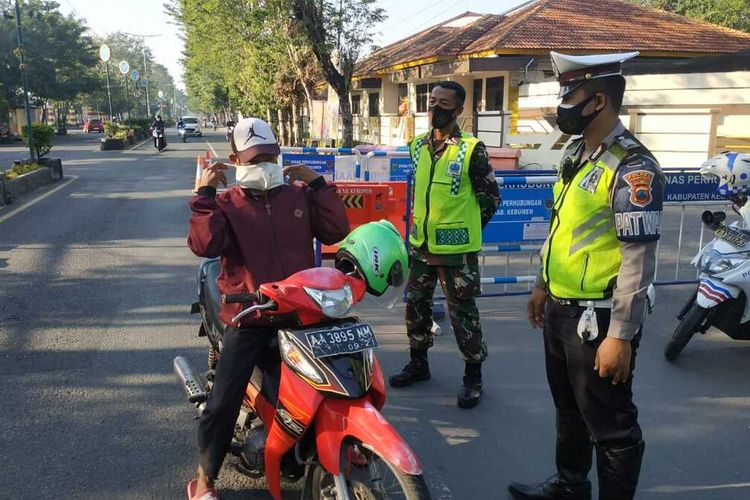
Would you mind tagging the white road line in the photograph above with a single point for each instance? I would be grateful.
(36, 200)
(216, 155)
(140, 144)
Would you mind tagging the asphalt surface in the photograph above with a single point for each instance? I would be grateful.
(95, 288)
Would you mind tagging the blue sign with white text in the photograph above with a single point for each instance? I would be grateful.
(523, 215)
(400, 168)
(690, 186)
(325, 165)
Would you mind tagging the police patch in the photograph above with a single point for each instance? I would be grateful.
(454, 169)
(591, 181)
(640, 182)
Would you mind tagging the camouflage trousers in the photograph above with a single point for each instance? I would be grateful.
(460, 285)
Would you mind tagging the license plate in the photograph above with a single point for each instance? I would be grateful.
(342, 340)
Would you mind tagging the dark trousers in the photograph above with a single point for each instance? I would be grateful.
(240, 353)
(460, 285)
(606, 410)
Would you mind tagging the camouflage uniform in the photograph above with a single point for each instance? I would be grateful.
(458, 274)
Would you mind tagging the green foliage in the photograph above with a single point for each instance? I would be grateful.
(730, 13)
(19, 170)
(43, 135)
(141, 125)
(117, 131)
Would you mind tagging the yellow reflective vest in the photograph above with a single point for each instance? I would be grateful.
(581, 257)
(446, 211)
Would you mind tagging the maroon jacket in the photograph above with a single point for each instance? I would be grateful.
(263, 237)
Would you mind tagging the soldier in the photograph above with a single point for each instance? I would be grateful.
(456, 195)
(591, 296)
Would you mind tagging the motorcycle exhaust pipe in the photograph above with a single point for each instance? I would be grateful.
(190, 382)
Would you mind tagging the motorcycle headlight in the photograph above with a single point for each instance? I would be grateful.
(715, 262)
(298, 361)
(333, 303)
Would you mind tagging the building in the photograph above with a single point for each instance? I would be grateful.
(688, 94)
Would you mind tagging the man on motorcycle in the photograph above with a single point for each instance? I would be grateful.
(263, 230)
(158, 125)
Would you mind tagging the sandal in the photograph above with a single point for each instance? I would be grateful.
(208, 494)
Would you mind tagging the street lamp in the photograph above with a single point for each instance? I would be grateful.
(104, 55)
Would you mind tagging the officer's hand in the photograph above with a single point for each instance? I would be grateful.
(213, 175)
(613, 360)
(300, 172)
(535, 307)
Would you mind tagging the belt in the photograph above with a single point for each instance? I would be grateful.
(598, 304)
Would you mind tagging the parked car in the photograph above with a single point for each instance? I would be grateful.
(192, 127)
(93, 125)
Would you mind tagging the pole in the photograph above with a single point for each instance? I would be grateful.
(109, 95)
(145, 72)
(22, 67)
(127, 95)
(174, 97)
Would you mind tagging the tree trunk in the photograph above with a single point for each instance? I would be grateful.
(347, 125)
(296, 128)
(281, 127)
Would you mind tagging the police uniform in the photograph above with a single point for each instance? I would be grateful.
(597, 266)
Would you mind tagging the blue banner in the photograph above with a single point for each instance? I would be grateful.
(400, 168)
(325, 165)
(691, 186)
(523, 215)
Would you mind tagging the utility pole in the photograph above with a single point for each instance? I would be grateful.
(145, 68)
(22, 67)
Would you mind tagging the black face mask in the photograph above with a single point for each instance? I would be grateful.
(441, 117)
(571, 120)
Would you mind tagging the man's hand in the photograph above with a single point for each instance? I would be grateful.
(300, 172)
(535, 307)
(214, 175)
(613, 360)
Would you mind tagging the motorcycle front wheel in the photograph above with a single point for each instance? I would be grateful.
(369, 477)
(690, 323)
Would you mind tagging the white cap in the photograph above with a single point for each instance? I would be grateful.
(255, 134)
(574, 71)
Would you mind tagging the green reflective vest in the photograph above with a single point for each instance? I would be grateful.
(581, 257)
(446, 210)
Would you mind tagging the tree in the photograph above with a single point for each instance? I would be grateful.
(730, 13)
(339, 33)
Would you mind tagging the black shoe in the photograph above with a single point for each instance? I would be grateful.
(471, 392)
(418, 370)
(618, 470)
(552, 489)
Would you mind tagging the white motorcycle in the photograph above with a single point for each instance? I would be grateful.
(720, 299)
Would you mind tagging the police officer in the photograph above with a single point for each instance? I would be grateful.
(591, 296)
(455, 196)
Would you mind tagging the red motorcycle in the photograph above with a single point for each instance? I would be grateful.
(312, 410)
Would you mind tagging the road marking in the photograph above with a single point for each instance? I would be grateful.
(37, 199)
(216, 155)
(140, 144)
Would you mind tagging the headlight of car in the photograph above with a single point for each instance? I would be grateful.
(333, 303)
(297, 360)
(715, 262)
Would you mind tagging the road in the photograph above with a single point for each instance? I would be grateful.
(95, 288)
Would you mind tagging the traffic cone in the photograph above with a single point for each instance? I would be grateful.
(199, 166)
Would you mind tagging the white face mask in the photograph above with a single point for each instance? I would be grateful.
(260, 177)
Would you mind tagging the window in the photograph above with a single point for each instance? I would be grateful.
(495, 91)
(355, 105)
(373, 104)
(423, 96)
(477, 98)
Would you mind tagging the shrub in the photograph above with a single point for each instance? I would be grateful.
(18, 170)
(116, 131)
(43, 136)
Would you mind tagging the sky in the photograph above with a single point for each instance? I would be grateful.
(147, 17)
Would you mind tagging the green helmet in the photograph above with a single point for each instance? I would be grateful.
(376, 252)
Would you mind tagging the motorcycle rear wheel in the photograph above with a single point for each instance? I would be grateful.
(376, 479)
(690, 323)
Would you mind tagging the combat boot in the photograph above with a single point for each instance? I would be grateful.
(417, 370)
(618, 469)
(471, 392)
(573, 456)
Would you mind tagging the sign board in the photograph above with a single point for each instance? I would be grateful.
(523, 215)
(144, 82)
(160, 94)
(137, 94)
(135, 75)
(686, 187)
(124, 67)
(325, 165)
(400, 168)
(104, 53)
